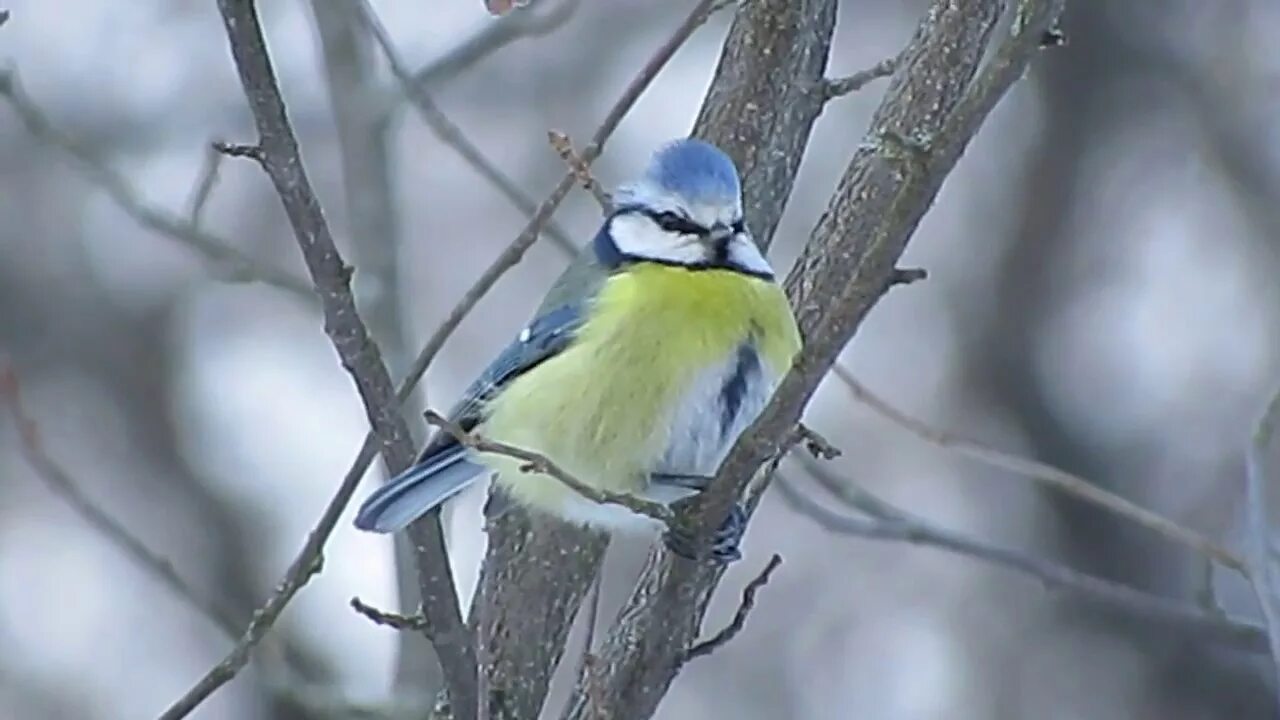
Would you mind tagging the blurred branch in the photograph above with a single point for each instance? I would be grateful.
(540, 464)
(205, 183)
(494, 36)
(1263, 472)
(739, 621)
(898, 526)
(231, 264)
(453, 136)
(839, 87)
(938, 98)
(62, 485)
(1042, 472)
(279, 157)
(4, 17)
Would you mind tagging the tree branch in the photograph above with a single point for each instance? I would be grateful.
(839, 87)
(62, 485)
(453, 136)
(1132, 604)
(730, 631)
(936, 104)
(230, 263)
(280, 158)
(493, 37)
(1060, 479)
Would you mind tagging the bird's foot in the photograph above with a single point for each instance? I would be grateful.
(725, 543)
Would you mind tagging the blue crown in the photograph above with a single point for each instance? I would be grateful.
(696, 171)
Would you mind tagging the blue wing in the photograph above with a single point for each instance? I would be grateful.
(443, 470)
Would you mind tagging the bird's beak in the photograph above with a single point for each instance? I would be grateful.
(717, 239)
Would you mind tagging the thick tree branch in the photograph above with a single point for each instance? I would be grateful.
(280, 158)
(1130, 603)
(230, 263)
(931, 111)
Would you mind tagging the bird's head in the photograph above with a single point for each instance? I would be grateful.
(686, 210)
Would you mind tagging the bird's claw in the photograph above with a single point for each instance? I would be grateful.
(725, 543)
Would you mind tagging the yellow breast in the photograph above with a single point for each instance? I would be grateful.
(600, 408)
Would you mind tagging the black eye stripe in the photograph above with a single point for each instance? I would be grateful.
(671, 222)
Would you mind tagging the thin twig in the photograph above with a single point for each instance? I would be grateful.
(564, 148)
(416, 622)
(62, 485)
(232, 265)
(839, 87)
(540, 464)
(492, 38)
(1103, 593)
(1262, 473)
(817, 446)
(730, 631)
(453, 135)
(1048, 474)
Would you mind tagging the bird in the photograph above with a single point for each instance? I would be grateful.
(638, 382)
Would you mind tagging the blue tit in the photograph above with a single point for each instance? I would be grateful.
(641, 383)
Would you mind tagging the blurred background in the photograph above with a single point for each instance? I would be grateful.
(1101, 296)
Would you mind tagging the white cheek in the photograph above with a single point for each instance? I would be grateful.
(638, 236)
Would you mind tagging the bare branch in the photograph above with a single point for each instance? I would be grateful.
(739, 621)
(492, 38)
(564, 148)
(416, 622)
(231, 264)
(4, 17)
(1042, 472)
(540, 464)
(66, 488)
(1106, 594)
(279, 156)
(818, 446)
(1262, 472)
(453, 136)
(840, 87)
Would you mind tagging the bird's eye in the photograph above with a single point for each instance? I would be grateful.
(674, 223)
(739, 226)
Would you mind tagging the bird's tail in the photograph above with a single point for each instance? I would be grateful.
(421, 488)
